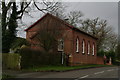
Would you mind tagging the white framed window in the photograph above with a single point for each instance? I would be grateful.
(93, 49)
(83, 46)
(77, 45)
(60, 45)
(88, 47)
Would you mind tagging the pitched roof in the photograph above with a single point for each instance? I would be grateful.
(68, 25)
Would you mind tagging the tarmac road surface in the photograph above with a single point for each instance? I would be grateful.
(103, 72)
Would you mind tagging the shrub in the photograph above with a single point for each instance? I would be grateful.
(6, 77)
(10, 60)
(112, 55)
(18, 43)
(34, 58)
(101, 53)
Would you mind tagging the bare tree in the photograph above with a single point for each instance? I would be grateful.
(48, 37)
(101, 30)
(12, 12)
(112, 42)
(118, 48)
(74, 18)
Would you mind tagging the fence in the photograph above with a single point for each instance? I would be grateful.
(10, 61)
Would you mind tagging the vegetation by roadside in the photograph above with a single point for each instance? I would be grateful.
(64, 68)
(10, 61)
(5, 76)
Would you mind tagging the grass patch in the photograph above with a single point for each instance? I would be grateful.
(64, 68)
(5, 76)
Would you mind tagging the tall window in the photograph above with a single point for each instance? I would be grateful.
(93, 51)
(77, 45)
(83, 46)
(60, 45)
(88, 47)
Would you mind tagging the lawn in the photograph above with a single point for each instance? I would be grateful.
(64, 68)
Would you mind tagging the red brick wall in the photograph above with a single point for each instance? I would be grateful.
(100, 60)
(79, 57)
(70, 37)
(68, 42)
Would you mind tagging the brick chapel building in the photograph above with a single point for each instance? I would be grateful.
(80, 46)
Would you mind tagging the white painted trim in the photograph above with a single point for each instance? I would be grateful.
(83, 46)
(88, 48)
(93, 51)
(77, 45)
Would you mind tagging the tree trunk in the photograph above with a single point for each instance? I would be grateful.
(4, 14)
(9, 36)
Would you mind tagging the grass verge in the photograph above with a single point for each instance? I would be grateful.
(64, 68)
(5, 76)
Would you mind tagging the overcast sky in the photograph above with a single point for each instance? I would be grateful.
(104, 10)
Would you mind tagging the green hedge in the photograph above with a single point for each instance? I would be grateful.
(33, 58)
(10, 60)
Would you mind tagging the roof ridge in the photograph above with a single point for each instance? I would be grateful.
(67, 24)
(73, 27)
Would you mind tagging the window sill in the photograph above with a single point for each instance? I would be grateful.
(60, 50)
(92, 54)
(77, 51)
(83, 53)
(88, 54)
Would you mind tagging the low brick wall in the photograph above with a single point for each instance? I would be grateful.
(100, 60)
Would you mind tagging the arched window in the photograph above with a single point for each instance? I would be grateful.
(83, 46)
(77, 45)
(88, 47)
(60, 44)
(93, 51)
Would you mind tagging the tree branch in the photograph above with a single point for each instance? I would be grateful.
(39, 8)
(22, 9)
(22, 4)
(9, 4)
(51, 6)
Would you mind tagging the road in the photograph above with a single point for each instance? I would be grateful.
(103, 72)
